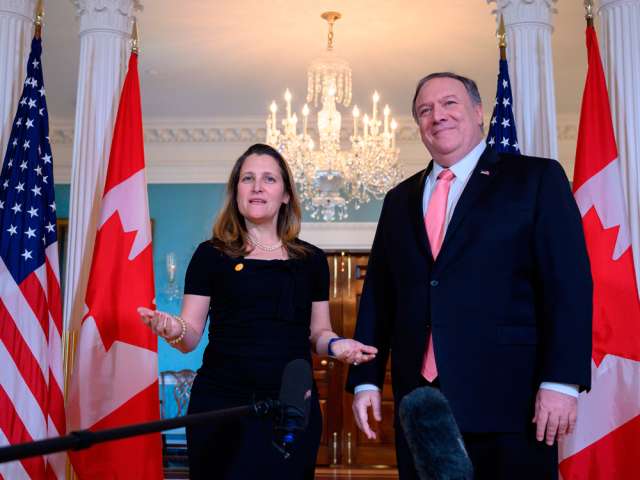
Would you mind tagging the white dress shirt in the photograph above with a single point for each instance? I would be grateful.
(462, 171)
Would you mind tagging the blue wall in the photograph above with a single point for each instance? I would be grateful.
(183, 216)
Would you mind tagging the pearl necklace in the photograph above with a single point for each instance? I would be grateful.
(266, 248)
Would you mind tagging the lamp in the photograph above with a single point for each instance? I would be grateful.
(171, 290)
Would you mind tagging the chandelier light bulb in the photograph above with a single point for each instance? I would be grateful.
(287, 98)
(394, 125)
(356, 114)
(305, 118)
(273, 107)
(386, 111)
(376, 99)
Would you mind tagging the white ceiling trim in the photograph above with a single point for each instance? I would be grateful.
(252, 129)
(204, 150)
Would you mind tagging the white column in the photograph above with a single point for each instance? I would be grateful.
(529, 28)
(105, 30)
(16, 31)
(620, 41)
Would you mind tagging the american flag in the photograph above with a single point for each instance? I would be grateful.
(502, 135)
(31, 380)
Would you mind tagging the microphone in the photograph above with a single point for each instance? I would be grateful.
(295, 401)
(433, 436)
(291, 414)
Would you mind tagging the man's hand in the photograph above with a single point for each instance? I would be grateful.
(361, 403)
(555, 413)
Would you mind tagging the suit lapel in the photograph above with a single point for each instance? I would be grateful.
(415, 205)
(479, 182)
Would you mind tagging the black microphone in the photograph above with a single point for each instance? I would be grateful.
(433, 436)
(295, 402)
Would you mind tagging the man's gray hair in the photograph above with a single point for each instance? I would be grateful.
(469, 85)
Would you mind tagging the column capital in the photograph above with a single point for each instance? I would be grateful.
(522, 12)
(19, 8)
(604, 4)
(106, 15)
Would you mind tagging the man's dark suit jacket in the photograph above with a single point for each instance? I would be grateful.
(509, 298)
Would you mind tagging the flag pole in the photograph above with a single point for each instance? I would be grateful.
(134, 37)
(502, 39)
(38, 21)
(588, 9)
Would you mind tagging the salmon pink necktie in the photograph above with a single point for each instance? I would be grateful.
(434, 222)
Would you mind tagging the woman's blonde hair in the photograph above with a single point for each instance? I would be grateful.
(230, 231)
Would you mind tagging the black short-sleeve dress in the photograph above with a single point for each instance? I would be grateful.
(260, 314)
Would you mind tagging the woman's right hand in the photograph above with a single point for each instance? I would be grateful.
(162, 324)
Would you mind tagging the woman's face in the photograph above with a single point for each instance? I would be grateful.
(261, 189)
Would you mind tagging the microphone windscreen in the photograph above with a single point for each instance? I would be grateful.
(295, 391)
(433, 436)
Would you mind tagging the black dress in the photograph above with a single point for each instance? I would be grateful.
(260, 315)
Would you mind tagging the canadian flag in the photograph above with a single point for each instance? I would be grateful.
(605, 444)
(115, 376)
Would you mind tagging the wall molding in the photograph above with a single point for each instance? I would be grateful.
(191, 150)
(339, 235)
(251, 129)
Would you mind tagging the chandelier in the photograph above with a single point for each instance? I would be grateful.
(330, 178)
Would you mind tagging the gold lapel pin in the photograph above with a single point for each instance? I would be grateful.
(239, 267)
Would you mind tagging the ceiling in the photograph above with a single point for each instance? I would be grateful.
(210, 59)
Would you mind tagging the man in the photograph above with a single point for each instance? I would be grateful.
(479, 284)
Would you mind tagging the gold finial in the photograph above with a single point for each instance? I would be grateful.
(588, 12)
(502, 38)
(134, 36)
(331, 18)
(502, 33)
(39, 17)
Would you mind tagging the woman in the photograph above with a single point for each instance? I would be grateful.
(267, 293)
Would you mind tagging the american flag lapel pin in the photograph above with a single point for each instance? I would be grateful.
(485, 172)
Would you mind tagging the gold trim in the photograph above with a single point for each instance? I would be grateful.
(588, 12)
(134, 37)
(502, 38)
(331, 18)
(38, 19)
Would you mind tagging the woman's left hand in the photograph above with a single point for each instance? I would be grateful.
(353, 352)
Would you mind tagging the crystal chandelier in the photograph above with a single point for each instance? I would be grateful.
(328, 177)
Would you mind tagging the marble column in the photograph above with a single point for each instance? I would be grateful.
(16, 31)
(105, 30)
(529, 27)
(620, 41)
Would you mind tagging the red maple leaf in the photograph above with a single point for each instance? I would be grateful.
(616, 307)
(117, 286)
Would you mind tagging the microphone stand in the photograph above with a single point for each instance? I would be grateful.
(79, 440)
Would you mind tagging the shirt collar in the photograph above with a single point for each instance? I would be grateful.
(463, 168)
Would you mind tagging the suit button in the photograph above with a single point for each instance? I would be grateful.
(434, 283)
